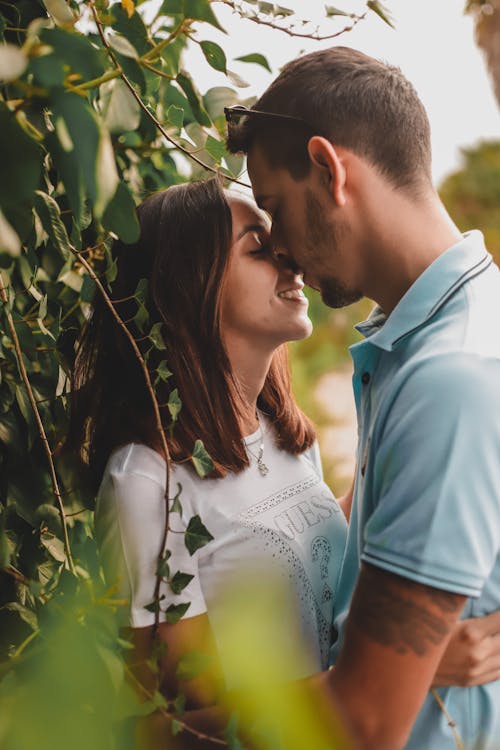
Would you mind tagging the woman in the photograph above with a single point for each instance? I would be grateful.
(225, 306)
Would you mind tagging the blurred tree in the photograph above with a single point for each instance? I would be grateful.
(472, 193)
(487, 22)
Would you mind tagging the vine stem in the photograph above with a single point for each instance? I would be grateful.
(289, 30)
(154, 402)
(43, 435)
(191, 730)
(451, 723)
(148, 112)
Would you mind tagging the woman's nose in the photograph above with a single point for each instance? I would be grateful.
(286, 263)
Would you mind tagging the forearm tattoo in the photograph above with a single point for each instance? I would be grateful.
(402, 614)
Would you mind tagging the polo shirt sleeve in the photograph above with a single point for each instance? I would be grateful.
(435, 456)
(130, 523)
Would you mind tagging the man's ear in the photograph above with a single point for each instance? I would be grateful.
(324, 155)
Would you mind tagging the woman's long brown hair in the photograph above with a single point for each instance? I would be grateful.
(183, 253)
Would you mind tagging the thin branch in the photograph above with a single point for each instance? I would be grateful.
(24, 375)
(186, 727)
(290, 29)
(148, 112)
(154, 402)
(451, 723)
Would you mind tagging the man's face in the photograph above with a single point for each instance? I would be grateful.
(307, 228)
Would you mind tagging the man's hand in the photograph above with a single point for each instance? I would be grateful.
(396, 634)
(473, 653)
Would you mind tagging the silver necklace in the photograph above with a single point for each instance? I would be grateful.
(262, 467)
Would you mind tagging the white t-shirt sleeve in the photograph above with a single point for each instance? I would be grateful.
(314, 457)
(130, 521)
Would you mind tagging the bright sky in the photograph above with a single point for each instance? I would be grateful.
(433, 44)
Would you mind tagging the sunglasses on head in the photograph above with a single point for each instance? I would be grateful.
(238, 113)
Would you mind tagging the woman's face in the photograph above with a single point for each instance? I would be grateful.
(262, 302)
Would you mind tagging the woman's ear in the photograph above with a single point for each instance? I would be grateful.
(325, 157)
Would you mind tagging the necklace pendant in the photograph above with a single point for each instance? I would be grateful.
(264, 470)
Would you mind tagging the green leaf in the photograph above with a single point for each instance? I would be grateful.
(381, 12)
(215, 55)
(155, 605)
(156, 336)
(54, 546)
(256, 58)
(198, 10)
(162, 371)
(76, 52)
(163, 569)
(132, 28)
(13, 62)
(26, 615)
(4, 549)
(141, 291)
(176, 506)
(217, 98)
(174, 404)
(120, 110)
(196, 535)
(9, 239)
(122, 45)
(216, 149)
(175, 115)
(120, 216)
(87, 291)
(192, 664)
(174, 612)
(231, 733)
(201, 460)
(179, 582)
(20, 157)
(176, 727)
(185, 82)
(50, 215)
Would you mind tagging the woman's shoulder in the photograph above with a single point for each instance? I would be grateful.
(139, 460)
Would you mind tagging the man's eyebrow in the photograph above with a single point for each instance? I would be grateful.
(251, 228)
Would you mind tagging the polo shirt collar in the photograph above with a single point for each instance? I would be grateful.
(428, 293)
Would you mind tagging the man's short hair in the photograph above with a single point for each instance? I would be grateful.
(354, 100)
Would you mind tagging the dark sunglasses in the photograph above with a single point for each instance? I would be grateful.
(237, 113)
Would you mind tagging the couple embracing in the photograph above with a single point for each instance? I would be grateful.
(338, 153)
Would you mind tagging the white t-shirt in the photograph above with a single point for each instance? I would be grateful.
(286, 522)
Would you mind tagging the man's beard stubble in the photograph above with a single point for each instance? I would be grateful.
(322, 240)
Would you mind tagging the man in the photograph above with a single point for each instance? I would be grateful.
(339, 155)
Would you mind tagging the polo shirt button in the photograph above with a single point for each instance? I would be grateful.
(365, 378)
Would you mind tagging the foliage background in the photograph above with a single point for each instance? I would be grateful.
(97, 112)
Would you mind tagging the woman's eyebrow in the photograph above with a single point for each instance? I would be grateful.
(251, 228)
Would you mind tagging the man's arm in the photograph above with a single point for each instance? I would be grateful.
(396, 634)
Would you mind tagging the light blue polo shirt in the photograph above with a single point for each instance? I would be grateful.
(427, 494)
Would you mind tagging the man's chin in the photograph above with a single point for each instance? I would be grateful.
(336, 295)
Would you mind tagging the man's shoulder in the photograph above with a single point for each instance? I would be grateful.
(446, 382)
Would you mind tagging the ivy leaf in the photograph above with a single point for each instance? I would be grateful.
(176, 506)
(162, 371)
(192, 664)
(141, 291)
(163, 570)
(381, 12)
(174, 404)
(179, 582)
(201, 460)
(155, 605)
(256, 58)
(174, 613)
(176, 727)
(215, 55)
(156, 336)
(196, 535)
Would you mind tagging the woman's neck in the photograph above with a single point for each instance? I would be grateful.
(250, 366)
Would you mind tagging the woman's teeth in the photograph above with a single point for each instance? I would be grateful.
(291, 294)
